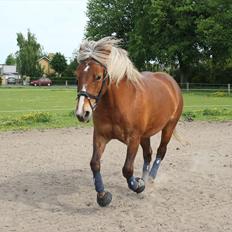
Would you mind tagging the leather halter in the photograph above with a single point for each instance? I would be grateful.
(91, 96)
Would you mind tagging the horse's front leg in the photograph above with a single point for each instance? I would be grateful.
(103, 198)
(136, 184)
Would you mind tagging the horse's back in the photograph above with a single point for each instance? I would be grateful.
(160, 78)
(162, 99)
(161, 82)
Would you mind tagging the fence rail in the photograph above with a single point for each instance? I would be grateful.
(205, 87)
(186, 87)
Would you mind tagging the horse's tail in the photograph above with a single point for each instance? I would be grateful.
(180, 139)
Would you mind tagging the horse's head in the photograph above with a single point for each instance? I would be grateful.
(92, 78)
(100, 61)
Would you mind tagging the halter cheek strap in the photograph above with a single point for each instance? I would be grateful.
(90, 96)
(98, 97)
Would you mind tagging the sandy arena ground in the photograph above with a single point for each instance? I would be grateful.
(46, 183)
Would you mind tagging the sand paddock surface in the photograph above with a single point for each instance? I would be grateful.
(46, 183)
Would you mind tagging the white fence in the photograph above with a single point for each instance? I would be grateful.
(206, 87)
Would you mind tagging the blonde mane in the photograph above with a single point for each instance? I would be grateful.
(107, 52)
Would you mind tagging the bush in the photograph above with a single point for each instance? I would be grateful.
(30, 118)
(26, 119)
(62, 80)
(10, 122)
(189, 116)
(219, 94)
(211, 112)
(36, 117)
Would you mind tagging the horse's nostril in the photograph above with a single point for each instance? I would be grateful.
(87, 113)
(80, 118)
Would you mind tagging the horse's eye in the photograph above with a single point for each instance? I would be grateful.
(98, 78)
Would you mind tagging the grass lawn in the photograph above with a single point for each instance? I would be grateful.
(25, 108)
(207, 106)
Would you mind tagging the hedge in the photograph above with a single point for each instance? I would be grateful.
(60, 80)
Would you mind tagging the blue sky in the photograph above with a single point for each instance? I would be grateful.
(58, 24)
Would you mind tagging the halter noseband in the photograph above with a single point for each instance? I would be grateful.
(98, 97)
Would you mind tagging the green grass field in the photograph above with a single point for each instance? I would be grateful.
(207, 106)
(26, 108)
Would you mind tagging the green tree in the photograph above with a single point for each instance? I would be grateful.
(216, 33)
(28, 54)
(154, 30)
(71, 68)
(59, 63)
(168, 35)
(10, 60)
(110, 17)
(184, 36)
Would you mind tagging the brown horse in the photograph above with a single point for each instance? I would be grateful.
(125, 105)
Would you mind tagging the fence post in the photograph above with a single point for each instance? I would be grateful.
(66, 83)
(187, 86)
(229, 89)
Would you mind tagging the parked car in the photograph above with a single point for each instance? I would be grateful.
(11, 80)
(41, 81)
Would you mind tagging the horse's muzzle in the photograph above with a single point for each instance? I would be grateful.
(85, 117)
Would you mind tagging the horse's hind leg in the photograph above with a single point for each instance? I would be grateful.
(161, 151)
(147, 153)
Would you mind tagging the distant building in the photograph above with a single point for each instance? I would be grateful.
(8, 72)
(44, 63)
(6, 69)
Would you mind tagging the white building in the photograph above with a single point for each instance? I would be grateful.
(8, 71)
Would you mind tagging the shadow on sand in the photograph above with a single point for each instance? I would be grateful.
(62, 191)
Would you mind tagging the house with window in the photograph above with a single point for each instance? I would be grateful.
(44, 63)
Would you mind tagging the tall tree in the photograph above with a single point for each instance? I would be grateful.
(169, 36)
(10, 60)
(181, 35)
(156, 30)
(59, 63)
(110, 17)
(140, 41)
(28, 54)
(71, 68)
(216, 35)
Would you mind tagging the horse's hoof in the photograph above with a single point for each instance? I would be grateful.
(141, 185)
(105, 199)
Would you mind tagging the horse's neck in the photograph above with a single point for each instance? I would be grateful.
(121, 95)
